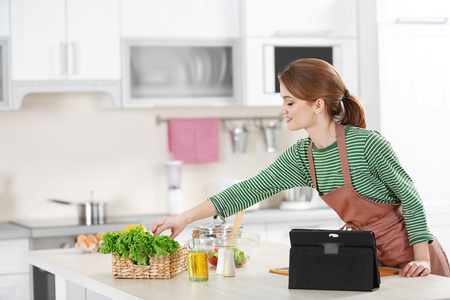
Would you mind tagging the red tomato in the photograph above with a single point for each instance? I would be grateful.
(213, 260)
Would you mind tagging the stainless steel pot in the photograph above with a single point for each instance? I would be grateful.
(89, 212)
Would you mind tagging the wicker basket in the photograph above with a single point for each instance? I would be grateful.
(160, 267)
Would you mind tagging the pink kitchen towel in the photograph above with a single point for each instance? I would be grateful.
(194, 140)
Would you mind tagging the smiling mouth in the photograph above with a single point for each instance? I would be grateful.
(288, 119)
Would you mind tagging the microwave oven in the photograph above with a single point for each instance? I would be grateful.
(267, 57)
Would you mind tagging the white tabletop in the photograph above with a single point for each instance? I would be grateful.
(93, 271)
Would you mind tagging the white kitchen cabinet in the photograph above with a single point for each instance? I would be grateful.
(414, 78)
(412, 11)
(12, 258)
(4, 18)
(276, 33)
(180, 74)
(15, 287)
(14, 271)
(65, 40)
(335, 18)
(180, 19)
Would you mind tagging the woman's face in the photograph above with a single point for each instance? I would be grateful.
(299, 113)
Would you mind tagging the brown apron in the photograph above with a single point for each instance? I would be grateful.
(385, 220)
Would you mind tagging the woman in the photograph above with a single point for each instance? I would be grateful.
(355, 171)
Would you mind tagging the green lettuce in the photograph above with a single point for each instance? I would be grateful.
(138, 245)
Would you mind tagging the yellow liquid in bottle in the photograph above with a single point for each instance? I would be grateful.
(198, 266)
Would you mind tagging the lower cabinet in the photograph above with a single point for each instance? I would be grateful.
(15, 278)
(15, 286)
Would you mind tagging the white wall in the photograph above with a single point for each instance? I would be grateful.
(65, 145)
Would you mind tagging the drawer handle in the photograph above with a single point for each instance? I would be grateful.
(422, 20)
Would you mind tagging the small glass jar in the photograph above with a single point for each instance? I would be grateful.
(197, 259)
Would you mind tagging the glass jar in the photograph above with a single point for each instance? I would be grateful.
(197, 259)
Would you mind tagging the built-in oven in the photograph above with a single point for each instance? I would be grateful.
(268, 56)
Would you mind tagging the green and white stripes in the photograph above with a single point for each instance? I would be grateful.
(376, 173)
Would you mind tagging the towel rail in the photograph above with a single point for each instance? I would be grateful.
(160, 120)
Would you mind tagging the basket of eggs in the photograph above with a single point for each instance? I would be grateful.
(89, 243)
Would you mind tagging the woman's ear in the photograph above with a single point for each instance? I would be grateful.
(319, 106)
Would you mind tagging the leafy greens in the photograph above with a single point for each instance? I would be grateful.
(138, 245)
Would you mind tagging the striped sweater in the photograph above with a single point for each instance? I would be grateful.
(375, 171)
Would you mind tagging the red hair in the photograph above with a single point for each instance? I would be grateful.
(311, 79)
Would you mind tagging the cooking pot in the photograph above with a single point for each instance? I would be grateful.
(89, 212)
(217, 229)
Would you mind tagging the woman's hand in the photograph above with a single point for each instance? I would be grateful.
(417, 268)
(176, 224)
(420, 266)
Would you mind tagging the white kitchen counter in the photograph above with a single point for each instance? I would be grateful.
(93, 272)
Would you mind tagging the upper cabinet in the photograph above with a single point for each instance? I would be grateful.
(279, 32)
(145, 53)
(65, 39)
(300, 18)
(180, 53)
(182, 73)
(4, 18)
(180, 19)
(413, 11)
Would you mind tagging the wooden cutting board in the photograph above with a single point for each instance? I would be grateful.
(383, 271)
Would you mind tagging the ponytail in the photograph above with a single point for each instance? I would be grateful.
(311, 79)
(353, 112)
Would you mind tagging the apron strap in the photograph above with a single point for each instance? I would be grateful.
(342, 149)
(312, 170)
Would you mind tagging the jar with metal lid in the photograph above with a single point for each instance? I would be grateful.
(217, 229)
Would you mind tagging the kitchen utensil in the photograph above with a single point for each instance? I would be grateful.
(89, 212)
(239, 139)
(237, 224)
(282, 271)
(271, 134)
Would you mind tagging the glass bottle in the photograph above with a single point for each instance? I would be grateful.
(197, 260)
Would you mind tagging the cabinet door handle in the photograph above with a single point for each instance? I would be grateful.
(63, 58)
(75, 54)
(282, 33)
(423, 20)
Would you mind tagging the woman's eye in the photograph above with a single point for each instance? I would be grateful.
(290, 103)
